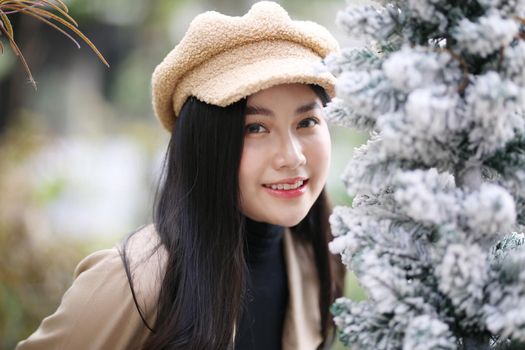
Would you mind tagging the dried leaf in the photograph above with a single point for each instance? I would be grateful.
(6, 23)
(37, 9)
(19, 54)
(35, 4)
(46, 13)
(51, 24)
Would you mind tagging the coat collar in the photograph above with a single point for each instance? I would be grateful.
(302, 325)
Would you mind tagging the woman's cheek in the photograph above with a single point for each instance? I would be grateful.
(320, 148)
(252, 162)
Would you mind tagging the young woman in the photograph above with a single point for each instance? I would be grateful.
(236, 257)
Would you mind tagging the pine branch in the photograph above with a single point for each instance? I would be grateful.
(476, 342)
(446, 99)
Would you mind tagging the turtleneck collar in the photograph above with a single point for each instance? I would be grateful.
(265, 302)
(262, 239)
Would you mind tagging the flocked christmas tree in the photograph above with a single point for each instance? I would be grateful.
(435, 231)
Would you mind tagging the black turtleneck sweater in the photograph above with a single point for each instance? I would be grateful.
(261, 325)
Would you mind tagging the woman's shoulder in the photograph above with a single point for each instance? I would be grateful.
(135, 266)
(143, 258)
(139, 257)
(99, 310)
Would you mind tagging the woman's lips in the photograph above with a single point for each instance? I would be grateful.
(289, 193)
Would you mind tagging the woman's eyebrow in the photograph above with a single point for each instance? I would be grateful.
(265, 111)
(258, 110)
(308, 107)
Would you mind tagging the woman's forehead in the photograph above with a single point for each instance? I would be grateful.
(299, 97)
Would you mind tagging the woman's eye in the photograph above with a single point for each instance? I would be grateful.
(308, 122)
(255, 128)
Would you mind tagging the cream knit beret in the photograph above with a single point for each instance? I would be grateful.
(222, 59)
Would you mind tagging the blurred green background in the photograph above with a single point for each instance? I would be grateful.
(80, 157)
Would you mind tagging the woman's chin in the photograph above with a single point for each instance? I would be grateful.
(288, 220)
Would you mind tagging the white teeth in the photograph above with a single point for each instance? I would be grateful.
(286, 186)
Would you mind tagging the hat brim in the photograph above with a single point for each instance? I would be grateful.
(248, 69)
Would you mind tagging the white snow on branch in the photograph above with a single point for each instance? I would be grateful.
(426, 10)
(488, 34)
(433, 111)
(338, 113)
(462, 276)
(379, 23)
(414, 67)
(425, 332)
(353, 58)
(427, 196)
(514, 63)
(505, 7)
(401, 138)
(367, 92)
(491, 106)
(504, 311)
(490, 211)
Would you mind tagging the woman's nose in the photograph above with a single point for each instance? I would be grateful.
(289, 153)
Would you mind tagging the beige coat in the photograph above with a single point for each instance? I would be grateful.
(98, 311)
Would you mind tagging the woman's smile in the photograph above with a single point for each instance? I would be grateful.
(287, 188)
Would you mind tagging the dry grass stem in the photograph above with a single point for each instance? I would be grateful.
(42, 11)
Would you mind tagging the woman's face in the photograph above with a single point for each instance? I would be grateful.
(286, 154)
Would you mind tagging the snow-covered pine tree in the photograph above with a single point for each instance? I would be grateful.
(435, 231)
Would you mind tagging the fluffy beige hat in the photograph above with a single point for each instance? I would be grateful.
(222, 59)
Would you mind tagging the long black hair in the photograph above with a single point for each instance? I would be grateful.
(199, 222)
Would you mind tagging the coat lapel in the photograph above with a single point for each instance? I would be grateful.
(302, 321)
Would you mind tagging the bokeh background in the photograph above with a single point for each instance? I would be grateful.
(80, 156)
